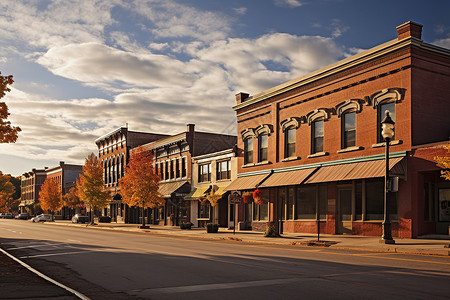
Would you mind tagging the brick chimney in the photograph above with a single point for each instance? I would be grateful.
(241, 97)
(190, 127)
(409, 29)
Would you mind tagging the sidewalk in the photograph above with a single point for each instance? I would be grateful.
(428, 245)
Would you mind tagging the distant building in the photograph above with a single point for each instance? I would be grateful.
(66, 176)
(114, 150)
(313, 145)
(31, 183)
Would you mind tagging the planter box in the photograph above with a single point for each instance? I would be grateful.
(212, 228)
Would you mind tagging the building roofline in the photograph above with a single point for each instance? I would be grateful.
(340, 66)
(109, 134)
(208, 155)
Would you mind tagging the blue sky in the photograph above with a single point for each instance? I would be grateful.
(83, 68)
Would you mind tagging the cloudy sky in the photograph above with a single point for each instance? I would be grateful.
(85, 67)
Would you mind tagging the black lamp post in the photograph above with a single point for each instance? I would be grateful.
(387, 131)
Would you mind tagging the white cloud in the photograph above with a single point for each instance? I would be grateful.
(443, 43)
(93, 63)
(290, 3)
(240, 10)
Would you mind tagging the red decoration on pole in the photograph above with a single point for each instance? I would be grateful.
(257, 196)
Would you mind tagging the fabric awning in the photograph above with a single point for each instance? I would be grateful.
(287, 178)
(166, 189)
(359, 170)
(199, 192)
(246, 183)
(220, 190)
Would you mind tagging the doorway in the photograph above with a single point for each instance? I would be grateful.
(344, 210)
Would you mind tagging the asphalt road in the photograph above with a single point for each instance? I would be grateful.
(122, 265)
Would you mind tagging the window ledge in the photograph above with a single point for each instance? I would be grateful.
(318, 154)
(266, 162)
(248, 165)
(223, 180)
(291, 158)
(350, 149)
(391, 143)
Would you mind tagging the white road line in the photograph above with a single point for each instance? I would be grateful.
(76, 293)
(56, 254)
(215, 286)
(35, 246)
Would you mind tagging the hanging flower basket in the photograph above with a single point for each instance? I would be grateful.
(247, 197)
(257, 196)
(202, 199)
(213, 198)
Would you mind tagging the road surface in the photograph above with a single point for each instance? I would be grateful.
(106, 264)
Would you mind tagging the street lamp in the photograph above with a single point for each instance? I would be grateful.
(387, 131)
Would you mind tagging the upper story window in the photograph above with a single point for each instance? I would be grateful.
(263, 146)
(166, 170)
(348, 129)
(224, 169)
(289, 142)
(172, 169)
(382, 108)
(204, 172)
(248, 151)
(183, 167)
(317, 136)
(177, 168)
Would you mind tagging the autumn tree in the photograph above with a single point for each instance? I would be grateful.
(444, 161)
(6, 191)
(90, 185)
(71, 199)
(50, 196)
(139, 186)
(8, 133)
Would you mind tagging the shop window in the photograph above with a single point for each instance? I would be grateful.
(290, 203)
(282, 201)
(317, 136)
(263, 146)
(289, 142)
(375, 201)
(358, 200)
(323, 201)
(348, 129)
(204, 173)
(223, 169)
(203, 210)
(248, 151)
(261, 212)
(382, 108)
(444, 205)
(306, 202)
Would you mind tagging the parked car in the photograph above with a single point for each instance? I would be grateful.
(6, 216)
(80, 219)
(22, 216)
(43, 218)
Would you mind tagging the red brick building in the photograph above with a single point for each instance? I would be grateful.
(114, 150)
(313, 145)
(66, 176)
(31, 183)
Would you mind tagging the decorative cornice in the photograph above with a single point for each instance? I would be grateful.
(352, 104)
(342, 65)
(320, 113)
(289, 122)
(387, 95)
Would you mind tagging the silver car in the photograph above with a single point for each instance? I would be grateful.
(43, 218)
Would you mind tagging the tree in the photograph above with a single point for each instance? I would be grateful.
(90, 185)
(50, 195)
(8, 133)
(139, 186)
(6, 191)
(71, 199)
(444, 161)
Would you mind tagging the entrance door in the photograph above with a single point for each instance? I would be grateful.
(344, 210)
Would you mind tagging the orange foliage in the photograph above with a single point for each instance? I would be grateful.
(139, 186)
(8, 133)
(50, 195)
(71, 199)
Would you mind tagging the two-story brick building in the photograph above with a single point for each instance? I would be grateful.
(173, 162)
(313, 145)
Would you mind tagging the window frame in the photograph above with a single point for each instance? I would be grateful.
(220, 173)
(344, 139)
(263, 152)
(248, 150)
(314, 137)
(288, 152)
(202, 175)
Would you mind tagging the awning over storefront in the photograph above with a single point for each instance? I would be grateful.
(166, 189)
(359, 170)
(221, 190)
(246, 183)
(287, 178)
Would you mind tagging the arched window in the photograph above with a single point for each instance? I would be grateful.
(383, 101)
